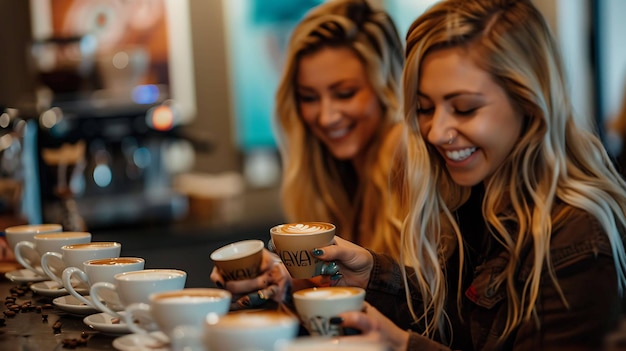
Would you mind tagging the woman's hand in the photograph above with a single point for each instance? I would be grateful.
(375, 328)
(273, 283)
(354, 263)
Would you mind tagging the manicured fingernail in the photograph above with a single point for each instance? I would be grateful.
(336, 320)
(318, 252)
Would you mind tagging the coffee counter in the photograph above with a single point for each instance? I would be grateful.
(184, 245)
(43, 326)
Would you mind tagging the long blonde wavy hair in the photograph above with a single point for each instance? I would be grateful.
(554, 159)
(315, 184)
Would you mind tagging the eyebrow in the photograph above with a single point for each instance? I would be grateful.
(332, 86)
(453, 95)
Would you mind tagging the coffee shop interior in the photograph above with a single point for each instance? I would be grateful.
(149, 122)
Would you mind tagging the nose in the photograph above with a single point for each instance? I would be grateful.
(329, 114)
(441, 127)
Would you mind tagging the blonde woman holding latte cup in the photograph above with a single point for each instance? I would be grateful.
(515, 207)
(340, 130)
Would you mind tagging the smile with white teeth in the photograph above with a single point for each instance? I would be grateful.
(460, 155)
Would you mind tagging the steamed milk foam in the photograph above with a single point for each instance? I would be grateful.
(148, 275)
(335, 292)
(189, 296)
(115, 261)
(91, 245)
(304, 228)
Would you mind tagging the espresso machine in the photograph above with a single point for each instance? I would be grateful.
(102, 168)
(107, 115)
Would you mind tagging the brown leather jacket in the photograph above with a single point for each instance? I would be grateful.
(583, 262)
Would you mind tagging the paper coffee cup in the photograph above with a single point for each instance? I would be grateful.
(295, 242)
(240, 260)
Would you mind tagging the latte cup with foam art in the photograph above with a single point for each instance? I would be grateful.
(294, 243)
(317, 306)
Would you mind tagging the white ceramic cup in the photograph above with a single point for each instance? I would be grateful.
(250, 330)
(101, 270)
(135, 286)
(316, 306)
(27, 232)
(239, 260)
(179, 308)
(50, 242)
(294, 243)
(74, 255)
(318, 343)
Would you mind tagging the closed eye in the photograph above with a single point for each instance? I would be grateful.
(345, 94)
(468, 112)
(304, 98)
(425, 111)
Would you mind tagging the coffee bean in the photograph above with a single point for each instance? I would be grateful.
(9, 313)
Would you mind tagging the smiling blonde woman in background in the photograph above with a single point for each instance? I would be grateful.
(340, 133)
(339, 124)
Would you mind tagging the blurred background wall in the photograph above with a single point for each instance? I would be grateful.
(590, 33)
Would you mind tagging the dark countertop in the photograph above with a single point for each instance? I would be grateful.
(30, 331)
(184, 245)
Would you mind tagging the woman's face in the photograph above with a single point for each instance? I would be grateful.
(337, 101)
(465, 115)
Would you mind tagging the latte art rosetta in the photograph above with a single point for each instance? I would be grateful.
(304, 228)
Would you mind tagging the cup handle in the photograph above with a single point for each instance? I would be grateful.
(138, 311)
(46, 268)
(97, 300)
(22, 260)
(67, 282)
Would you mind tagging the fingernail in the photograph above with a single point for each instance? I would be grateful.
(336, 320)
(318, 252)
(336, 276)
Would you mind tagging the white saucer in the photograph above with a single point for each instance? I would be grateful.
(141, 342)
(104, 322)
(69, 303)
(51, 288)
(24, 276)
